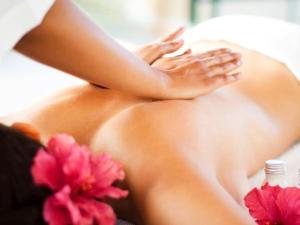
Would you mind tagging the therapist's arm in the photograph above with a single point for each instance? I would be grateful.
(68, 40)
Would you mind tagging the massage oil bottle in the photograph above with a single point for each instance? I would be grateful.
(275, 173)
(298, 180)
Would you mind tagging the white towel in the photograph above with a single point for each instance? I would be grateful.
(275, 38)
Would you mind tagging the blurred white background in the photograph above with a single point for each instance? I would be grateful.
(138, 21)
(23, 81)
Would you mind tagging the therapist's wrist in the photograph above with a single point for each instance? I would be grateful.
(162, 88)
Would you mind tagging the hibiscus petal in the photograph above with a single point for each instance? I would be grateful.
(95, 211)
(106, 171)
(73, 159)
(261, 204)
(112, 192)
(60, 210)
(77, 166)
(46, 170)
(288, 202)
(60, 145)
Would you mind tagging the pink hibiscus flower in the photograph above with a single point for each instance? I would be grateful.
(274, 205)
(79, 180)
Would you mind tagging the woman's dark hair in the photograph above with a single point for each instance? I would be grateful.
(21, 201)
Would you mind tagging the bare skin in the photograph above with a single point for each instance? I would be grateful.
(187, 161)
(68, 40)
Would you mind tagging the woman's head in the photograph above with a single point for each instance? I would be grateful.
(20, 200)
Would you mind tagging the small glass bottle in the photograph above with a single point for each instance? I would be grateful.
(275, 171)
(298, 180)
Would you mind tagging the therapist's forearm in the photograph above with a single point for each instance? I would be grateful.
(69, 41)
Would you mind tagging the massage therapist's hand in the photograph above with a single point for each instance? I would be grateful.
(191, 75)
(209, 70)
(151, 52)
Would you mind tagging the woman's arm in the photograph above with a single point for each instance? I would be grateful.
(69, 41)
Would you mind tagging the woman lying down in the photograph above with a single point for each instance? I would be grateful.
(188, 161)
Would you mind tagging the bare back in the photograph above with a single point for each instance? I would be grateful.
(229, 133)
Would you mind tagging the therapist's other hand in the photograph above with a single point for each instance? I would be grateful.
(189, 75)
(151, 52)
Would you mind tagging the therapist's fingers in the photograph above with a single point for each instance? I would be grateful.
(213, 53)
(221, 80)
(209, 54)
(201, 70)
(221, 59)
(168, 47)
(167, 63)
(187, 52)
(174, 35)
(209, 61)
(151, 52)
(190, 81)
(224, 68)
(211, 66)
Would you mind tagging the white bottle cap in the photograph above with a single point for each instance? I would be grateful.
(275, 167)
(298, 182)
